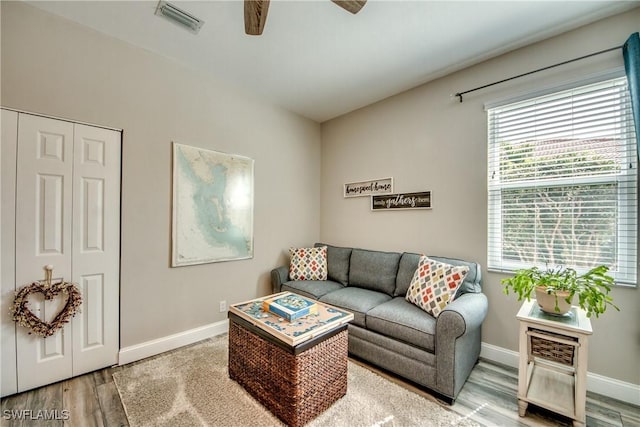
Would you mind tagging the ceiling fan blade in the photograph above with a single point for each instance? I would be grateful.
(352, 6)
(255, 16)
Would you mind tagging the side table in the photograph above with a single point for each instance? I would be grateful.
(553, 361)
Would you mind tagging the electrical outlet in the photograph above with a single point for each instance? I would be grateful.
(223, 306)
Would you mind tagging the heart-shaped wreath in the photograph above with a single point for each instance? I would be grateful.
(25, 317)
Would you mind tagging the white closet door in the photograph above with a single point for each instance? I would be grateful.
(9, 128)
(96, 247)
(43, 236)
(68, 216)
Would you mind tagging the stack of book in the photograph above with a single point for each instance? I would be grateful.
(290, 306)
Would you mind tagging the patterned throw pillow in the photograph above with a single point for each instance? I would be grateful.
(434, 285)
(308, 263)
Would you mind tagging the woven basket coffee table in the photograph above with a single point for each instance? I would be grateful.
(295, 369)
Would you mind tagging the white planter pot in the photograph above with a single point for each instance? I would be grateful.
(547, 302)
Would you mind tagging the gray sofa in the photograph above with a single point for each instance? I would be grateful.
(392, 333)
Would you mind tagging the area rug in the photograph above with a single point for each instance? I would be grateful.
(191, 387)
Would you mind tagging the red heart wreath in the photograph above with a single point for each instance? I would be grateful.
(25, 317)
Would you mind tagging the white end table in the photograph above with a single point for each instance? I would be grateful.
(553, 361)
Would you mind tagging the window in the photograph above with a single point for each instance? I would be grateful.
(563, 181)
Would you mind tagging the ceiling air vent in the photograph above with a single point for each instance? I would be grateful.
(179, 16)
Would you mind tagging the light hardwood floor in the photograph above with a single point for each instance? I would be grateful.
(488, 397)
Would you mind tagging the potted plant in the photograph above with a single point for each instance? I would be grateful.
(555, 288)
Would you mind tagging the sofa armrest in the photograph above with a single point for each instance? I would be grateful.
(458, 340)
(464, 314)
(279, 275)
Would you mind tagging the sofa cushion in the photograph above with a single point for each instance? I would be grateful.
(311, 288)
(401, 320)
(434, 285)
(374, 270)
(337, 263)
(308, 263)
(357, 300)
(406, 268)
(473, 279)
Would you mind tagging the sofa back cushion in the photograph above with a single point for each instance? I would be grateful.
(374, 270)
(409, 263)
(406, 269)
(337, 262)
(472, 282)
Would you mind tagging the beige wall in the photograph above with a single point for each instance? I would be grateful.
(54, 67)
(427, 140)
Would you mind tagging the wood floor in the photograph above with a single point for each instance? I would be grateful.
(488, 398)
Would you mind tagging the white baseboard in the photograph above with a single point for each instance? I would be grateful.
(627, 392)
(499, 355)
(621, 390)
(171, 342)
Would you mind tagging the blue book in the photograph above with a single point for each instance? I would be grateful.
(290, 306)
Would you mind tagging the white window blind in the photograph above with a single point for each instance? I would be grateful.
(563, 181)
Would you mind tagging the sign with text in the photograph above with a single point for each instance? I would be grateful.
(421, 200)
(369, 188)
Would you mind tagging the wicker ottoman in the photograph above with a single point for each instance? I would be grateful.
(296, 383)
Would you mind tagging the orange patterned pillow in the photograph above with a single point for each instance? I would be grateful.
(308, 263)
(434, 285)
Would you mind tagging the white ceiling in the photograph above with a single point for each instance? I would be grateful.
(320, 61)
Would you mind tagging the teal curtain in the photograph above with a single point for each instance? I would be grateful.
(631, 54)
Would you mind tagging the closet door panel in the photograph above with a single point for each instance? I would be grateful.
(66, 214)
(96, 247)
(9, 137)
(43, 237)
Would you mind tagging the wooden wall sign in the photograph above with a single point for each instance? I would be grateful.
(369, 188)
(421, 200)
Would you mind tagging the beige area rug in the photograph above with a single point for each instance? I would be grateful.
(191, 387)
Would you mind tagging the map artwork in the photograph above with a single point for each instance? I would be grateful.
(212, 206)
